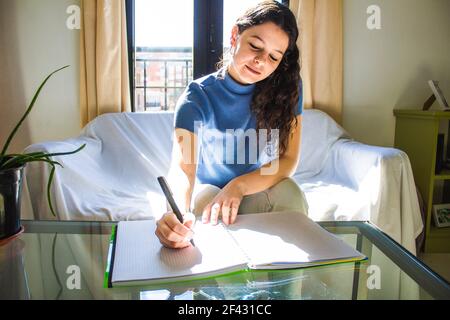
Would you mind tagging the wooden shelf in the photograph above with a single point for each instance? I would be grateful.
(443, 175)
(417, 113)
(436, 232)
(437, 239)
(416, 133)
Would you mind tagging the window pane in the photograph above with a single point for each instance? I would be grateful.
(139, 99)
(154, 99)
(164, 38)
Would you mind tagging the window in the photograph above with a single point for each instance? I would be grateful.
(172, 42)
(163, 52)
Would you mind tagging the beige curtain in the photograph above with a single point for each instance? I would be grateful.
(104, 80)
(321, 49)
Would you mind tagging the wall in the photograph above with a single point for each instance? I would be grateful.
(34, 41)
(389, 68)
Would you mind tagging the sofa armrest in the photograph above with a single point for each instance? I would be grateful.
(353, 161)
(37, 173)
(384, 176)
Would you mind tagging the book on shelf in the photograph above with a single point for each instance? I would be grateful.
(260, 241)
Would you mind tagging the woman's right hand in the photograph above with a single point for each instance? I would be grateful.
(174, 234)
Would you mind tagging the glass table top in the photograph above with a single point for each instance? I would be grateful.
(67, 260)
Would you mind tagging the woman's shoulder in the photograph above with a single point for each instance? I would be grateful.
(196, 93)
(199, 89)
(205, 81)
(194, 104)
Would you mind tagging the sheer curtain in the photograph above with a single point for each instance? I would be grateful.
(104, 80)
(321, 49)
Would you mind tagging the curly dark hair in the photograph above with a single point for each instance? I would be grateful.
(275, 98)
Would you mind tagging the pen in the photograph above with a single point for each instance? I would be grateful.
(168, 193)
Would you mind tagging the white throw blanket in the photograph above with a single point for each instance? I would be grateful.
(114, 177)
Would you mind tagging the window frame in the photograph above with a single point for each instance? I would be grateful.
(208, 36)
(130, 16)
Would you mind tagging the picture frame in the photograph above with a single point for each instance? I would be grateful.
(437, 92)
(441, 214)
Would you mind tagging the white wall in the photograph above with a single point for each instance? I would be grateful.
(389, 68)
(34, 41)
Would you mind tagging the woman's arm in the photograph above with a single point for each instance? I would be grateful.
(183, 168)
(275, 171)
(227, 202)
(170, 231)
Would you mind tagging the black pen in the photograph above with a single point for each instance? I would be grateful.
(168, 193)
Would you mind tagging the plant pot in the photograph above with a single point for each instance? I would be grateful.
(10, 195)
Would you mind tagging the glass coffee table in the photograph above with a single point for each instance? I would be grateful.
(67, 260)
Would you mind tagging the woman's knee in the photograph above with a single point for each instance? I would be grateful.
(286, 196)
(201, 196)
(287, 187)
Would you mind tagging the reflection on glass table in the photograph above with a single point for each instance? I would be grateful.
(67, 260)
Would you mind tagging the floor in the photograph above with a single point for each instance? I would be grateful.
(438, 262)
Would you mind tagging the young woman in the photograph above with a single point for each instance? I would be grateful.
(218, 124)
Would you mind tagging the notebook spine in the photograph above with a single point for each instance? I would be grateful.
(236, 243)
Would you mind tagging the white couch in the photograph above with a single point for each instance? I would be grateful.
(114, 177)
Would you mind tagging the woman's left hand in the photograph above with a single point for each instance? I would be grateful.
(226, 203)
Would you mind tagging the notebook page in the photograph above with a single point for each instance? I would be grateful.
(287, 239)
(139, 256)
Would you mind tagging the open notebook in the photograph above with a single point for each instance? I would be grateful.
(276, 240)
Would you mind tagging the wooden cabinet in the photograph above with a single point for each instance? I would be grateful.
(416, 133)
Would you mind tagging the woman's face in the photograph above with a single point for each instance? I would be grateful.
(257, 52)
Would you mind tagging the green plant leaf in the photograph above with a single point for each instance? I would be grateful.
(4, 160)
(52, 173)
(49, 184)
(19, 159)
(19, 162)
(11, 136)
(23, 154)
(65, 153)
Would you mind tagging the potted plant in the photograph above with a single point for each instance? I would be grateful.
(11, 175)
